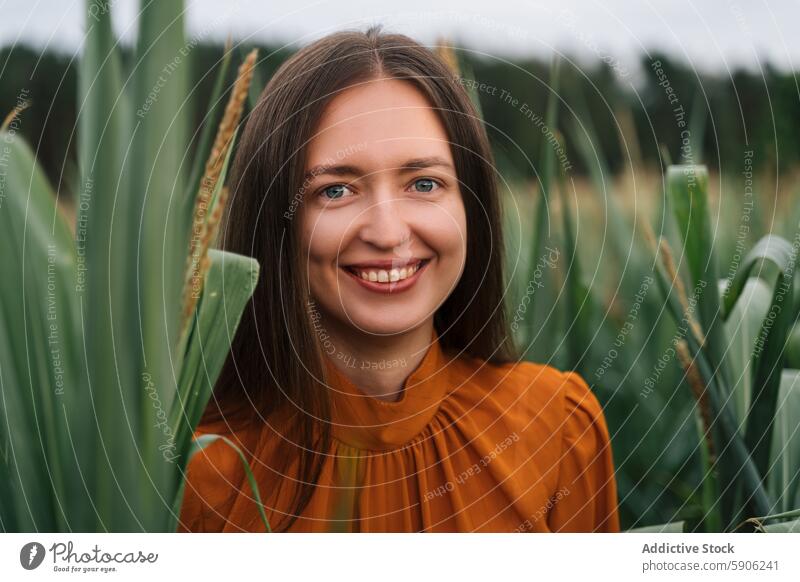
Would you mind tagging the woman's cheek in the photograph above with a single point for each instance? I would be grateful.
(444, 229)
(322, 236)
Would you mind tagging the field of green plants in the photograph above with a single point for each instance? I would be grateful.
(673, 291)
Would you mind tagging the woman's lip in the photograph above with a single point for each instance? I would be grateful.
(386, 264)
(392, 286)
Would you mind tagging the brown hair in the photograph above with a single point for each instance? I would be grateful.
(275, 361)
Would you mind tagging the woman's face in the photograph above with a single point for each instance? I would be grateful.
(383, 220)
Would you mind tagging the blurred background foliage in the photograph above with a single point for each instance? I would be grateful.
(759, 110)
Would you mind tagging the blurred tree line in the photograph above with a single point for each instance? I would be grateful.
(635, 114)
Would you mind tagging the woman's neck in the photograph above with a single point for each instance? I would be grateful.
(377, 364)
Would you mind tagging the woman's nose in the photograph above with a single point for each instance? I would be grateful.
(384, 225)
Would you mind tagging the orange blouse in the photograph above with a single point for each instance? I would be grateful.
(469, 446)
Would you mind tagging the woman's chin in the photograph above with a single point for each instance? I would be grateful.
(381, 324)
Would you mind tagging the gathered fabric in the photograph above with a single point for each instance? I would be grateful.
(470, 446)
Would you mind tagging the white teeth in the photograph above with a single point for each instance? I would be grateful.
(392, 275)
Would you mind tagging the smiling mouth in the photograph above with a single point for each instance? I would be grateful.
(377, 275)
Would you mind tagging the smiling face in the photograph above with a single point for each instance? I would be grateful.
(383, 221)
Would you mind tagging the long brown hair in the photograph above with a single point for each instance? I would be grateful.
(275, 360)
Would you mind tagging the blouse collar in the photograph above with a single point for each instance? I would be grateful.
(365, 422)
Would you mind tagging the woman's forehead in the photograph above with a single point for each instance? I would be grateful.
(387, 117)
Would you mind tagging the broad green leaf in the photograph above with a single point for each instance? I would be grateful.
(742, 327)
(673, 527)
(771, 248)
(228, 286)
(783, 527)
(37, 348)
(770, 344)
(783, 480)
(160, 208)
(106, 232)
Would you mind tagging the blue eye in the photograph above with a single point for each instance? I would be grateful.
(334, 192)
(425, 185)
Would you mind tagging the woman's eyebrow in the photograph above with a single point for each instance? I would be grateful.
(332, 170)
(429, 162)
(349, 170)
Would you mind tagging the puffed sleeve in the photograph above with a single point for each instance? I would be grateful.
(212, 482)
(586, 497)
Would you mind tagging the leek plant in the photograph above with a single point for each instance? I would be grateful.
(736, 339)
(733, 348)
(114, 328)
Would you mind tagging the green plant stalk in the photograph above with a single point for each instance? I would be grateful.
(157, 154)
(104, 292)
(723, 417)
(577, 295)
(712, 518)
(687, 190)
(541, 234)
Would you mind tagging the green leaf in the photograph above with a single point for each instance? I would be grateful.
(106, 282)
(37, 349)
(687, 187)
(577, 298)
(161, 207)
(793, 347)
(740, 465)
(771, 248)
(783, 481)
(229, 284)
(673, 527)
(742, 327)
(770, 345)
(687, 193)
(201, 442)
(539, 343)
(783, 527)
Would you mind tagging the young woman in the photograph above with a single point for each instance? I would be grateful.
(372, 384)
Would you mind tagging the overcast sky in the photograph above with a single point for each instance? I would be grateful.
(711, 34)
